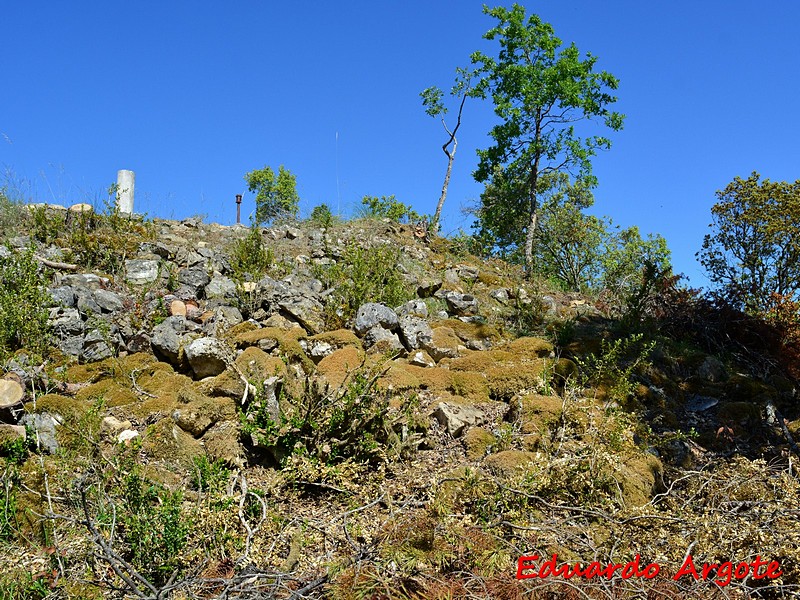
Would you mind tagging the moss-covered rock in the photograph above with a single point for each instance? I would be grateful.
(167, 443)
(477, 442)
(535, 413)
(509, 463)
(111, 393)
(71, 409)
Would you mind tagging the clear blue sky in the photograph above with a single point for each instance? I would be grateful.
(191, 95)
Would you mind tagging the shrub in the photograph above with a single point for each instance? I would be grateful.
(361, 276)
(23, 317)
(251, 256)
(322, 215)
(388, 207)
(276, 196)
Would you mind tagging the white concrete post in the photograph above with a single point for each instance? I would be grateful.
(125, 181)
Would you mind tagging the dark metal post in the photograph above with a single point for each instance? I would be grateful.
(238, 208)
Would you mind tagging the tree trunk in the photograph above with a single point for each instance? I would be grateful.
(451, 156)
(533, 218)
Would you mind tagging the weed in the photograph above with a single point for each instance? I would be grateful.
(251, 259)
(614, 367)
(321, 215)
(23, 317)
(209, 476)
(361, 276)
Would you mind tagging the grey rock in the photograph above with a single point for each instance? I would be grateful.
(293, 233)
(108, 301)
(141, 271)
(382, 340)
(500, 294)
(95, 347)
(467, 272)
(372, 315)
(66, 321)
(85, 280)
(166, 338)
(455, 419)
(86, 302)
(319, 350)
(306, 311)
(138, 342)
(63, 296)
(71, 345)
(697, 403)
(451, 277)
(195, 279)
(157, 248)
(413, 308)
(461, 304)
(45, 425)
(207, 356)
(712, 370)
(220, 287)
(414, 332)
(420, 358)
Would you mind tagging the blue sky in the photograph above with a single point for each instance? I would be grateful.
(191, 95)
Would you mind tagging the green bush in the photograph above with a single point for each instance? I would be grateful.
(388, 207)
(322, 215)
(251, 256)
(361, 276)
(276, 196)
(23, 316)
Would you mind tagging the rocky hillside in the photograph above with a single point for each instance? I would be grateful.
(358, 410)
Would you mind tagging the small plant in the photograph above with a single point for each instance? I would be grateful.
(362, 275)
(322, 216)
(251, 258)
(615, 365)
(23, 316)
(209, 476)
(388, 207)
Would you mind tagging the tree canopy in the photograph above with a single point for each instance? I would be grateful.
(276, 196)
(540, 90)
(753, 249)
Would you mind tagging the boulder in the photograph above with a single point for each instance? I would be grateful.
(413, 308)
(455, 418)
(194, 280)
(373, 315)
(107, 301)
(414, 332)
(141, 271)
(380, 340)
(306, 311)
(444, 343)
(220, 287)
(45, 425)
(166, 338)
(207, 356)
(461, 304)
(63, 296)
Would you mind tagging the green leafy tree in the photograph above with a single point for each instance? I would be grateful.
(433, 101)
(753, 250)
(23, 316)
(276, 196)
(569, 243)
(627, 258)
(388, 207)
(540, 91)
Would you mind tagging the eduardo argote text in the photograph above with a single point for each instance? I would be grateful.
(722, 574)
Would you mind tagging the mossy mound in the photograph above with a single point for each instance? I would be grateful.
(639, 479)
(535, 413)
(71, 409)
(198, 412)
(109, 392)
(469, 332)
(338, 338)
(257, 365)
(477, 442)
(165, 442)
(287, 340)
(509, 463)
(335, 367)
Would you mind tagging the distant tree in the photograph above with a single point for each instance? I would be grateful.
(433, 101)
(540, 90)
(275, 196)
(387, 207)
(753, 250)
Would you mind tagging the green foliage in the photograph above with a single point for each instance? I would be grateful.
(322, 215)
(9, 484)
(251, 256)
(34, 587)
(616, 364)
(388, 207)
(329, 426)
(753, 250)
(23, 316)
(152, 526)
(360, 276)
(276, 196)
(209, 476)
(540, 90)
(11, 213)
